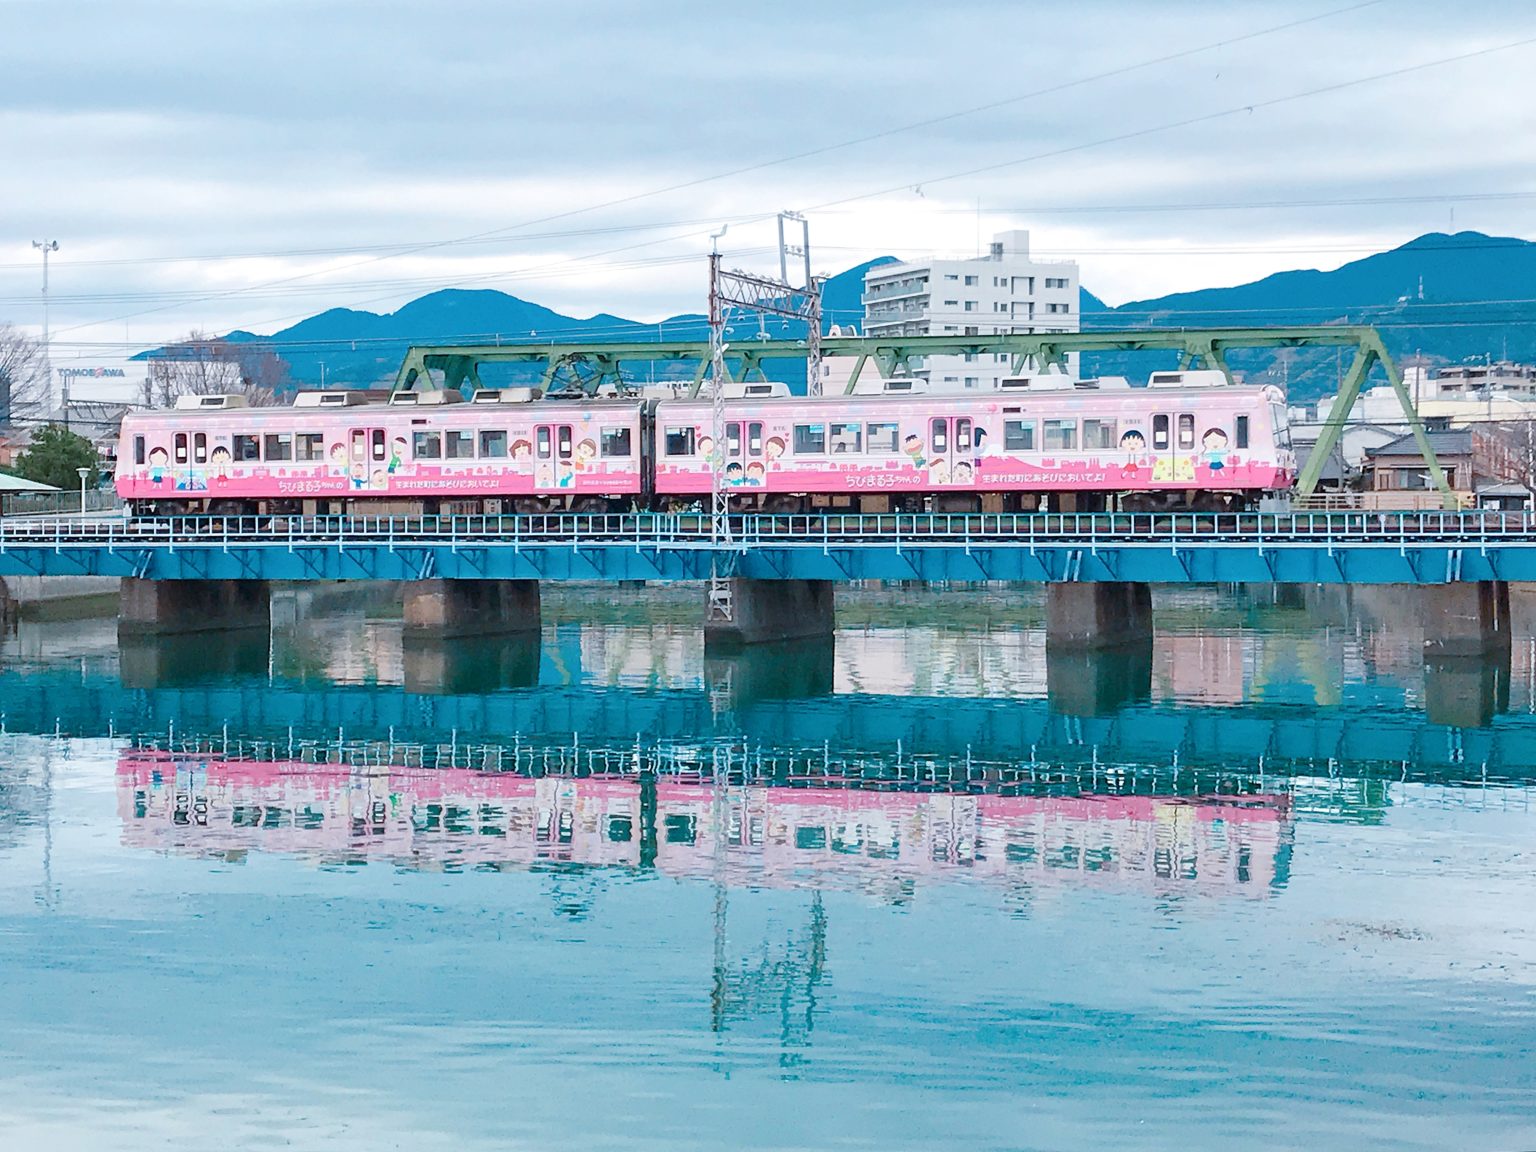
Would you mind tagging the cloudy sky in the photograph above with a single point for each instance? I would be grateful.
(214, 164)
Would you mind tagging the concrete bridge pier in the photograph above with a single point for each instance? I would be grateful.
(1470, 619)
(770, 611)
(471, 607)
(1090, 682)
(175, 607)
(438, 665)
(1089, 616)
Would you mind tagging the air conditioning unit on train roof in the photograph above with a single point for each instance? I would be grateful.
(756, 390)
(431, 396)
(1043, 382)
(340, 398)
(219, 400)
(506, 395)
(1103, 383)
(895, 386)
(1195, 378)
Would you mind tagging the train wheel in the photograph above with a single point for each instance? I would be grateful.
(782, 505)
(589, 505)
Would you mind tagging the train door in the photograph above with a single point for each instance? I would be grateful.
(367, 458)
(554, 464)
(950, 450)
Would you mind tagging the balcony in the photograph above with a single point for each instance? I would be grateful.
(895, 290)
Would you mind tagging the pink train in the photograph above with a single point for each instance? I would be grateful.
(1187, 440)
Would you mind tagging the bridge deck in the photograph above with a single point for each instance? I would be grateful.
(1355, 547)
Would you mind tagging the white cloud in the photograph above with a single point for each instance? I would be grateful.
(306, 136)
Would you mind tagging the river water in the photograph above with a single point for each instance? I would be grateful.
(1265, 884)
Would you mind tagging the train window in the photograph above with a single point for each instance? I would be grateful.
(245, 448)
(615, 441)
(1059, 434)
(963, 434)
(459, 445)
(541, 438)
(938, 436)
(279, 446)
(309, 446)
(493, 445)
(733, 439)
(847, 438)
(882, 437)
(1099, 434)
(379, 453)
(755, 438)
(1186, 430)
(682, 441)
(563, 441)
(810, 439)
(428, 446)
(138, 449)
(181, 447)
(200, 448)
(1241, 432)
(1159, 433)
(1018, 435)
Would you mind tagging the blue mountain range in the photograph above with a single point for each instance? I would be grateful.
(1448, 297)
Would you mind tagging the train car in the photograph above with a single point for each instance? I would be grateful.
(506, 450)
(1035, 442)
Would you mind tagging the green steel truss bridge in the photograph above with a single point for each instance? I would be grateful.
(590, 366)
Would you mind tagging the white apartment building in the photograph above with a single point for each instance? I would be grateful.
(1003, 291)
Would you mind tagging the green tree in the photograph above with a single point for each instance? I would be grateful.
(55, 454)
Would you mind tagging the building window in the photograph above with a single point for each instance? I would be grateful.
(1060, 435)
(1058, 309)
(1055, 282)
(971, 381)
(951, 303)
(682, 441)
(1019, 435)
(971, 330)
(951, 276)
(810, 439)
(970, 305)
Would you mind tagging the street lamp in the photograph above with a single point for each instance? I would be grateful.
(46, 247)
(82, 473)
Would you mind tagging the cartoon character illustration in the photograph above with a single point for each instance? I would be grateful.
(913, 447)
(938, 472)
(1214, 442)
(773, 448)
(219, 461)
(396, 454)
(979, 441)
(359, 475)
(963, 472)
(158, 459)
(755, 472)
(733, 472)
(521, 449)
(565, 473)
(1134, 445)
(380, 479)
(338, 459)
(586, 455)
(543, 475)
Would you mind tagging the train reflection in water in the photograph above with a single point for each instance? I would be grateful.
(759, 834)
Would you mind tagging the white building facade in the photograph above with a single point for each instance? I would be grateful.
(1002, 292)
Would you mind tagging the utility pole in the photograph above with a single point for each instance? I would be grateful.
(765, 296)
(47, 247)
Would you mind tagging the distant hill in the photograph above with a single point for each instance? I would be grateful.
(1449, 297)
